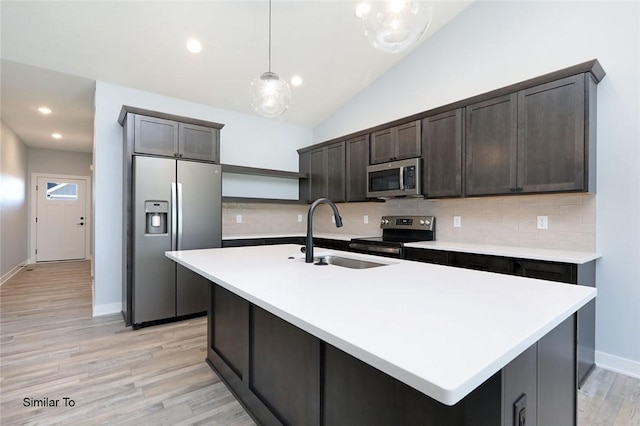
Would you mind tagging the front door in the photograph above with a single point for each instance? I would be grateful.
(61, 219)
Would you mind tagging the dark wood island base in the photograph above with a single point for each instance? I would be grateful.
(283, 375)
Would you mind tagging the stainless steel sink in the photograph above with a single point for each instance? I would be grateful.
(346, 262)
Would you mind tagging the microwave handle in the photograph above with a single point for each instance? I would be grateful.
(402, 178)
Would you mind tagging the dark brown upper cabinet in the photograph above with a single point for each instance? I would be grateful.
(169, 138)
(532, 141)
(442, 155)
(534, 136)
(396, 143)
(551, 136)
(357, 159)
(491, 146)
(335, 174)
(325, 167)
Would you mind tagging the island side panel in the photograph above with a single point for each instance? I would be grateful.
(285, 368)
(234, 316)
(355, 393)
(557, 378)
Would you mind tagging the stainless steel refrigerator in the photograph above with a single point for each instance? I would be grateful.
(176, 205)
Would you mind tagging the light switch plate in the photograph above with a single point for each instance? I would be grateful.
(457, 221)
(238, 218)
(543, 222)
(365, 218)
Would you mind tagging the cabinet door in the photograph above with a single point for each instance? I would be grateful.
(198, 143)
(442, 155)
(551, 141)
(317, 174)
(382, 146)
(155, 136)
(336, 172)
(285, 368)
(357, 159)
(407, 140)
(491, 146)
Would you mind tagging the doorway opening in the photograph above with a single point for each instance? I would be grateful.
(60, 210)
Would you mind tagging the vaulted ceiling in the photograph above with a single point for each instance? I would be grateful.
(54, 51)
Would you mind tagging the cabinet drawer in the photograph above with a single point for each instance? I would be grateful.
(439, 257)
(561, 272)
(482, 262)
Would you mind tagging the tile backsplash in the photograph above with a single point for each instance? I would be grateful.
(490, 220)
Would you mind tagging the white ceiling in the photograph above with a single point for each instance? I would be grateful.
(53, 52)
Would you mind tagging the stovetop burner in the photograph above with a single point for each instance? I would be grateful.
(397, 230)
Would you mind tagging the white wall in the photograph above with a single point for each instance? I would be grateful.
(494, 44)
(245, 140)
(58, 162)
(13, 197)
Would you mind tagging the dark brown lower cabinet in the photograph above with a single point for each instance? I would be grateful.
(285, 368)
(283, 375)
(354, 393)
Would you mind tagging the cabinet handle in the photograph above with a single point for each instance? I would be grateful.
(513, 189)
(519, 189)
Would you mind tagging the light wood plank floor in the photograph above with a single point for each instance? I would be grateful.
(52, 348)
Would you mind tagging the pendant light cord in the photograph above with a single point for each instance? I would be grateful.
(269, 35)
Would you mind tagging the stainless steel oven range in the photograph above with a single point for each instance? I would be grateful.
(396, 231)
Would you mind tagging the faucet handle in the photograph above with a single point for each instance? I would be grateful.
(303, 249)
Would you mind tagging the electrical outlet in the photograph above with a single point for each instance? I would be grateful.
(333, 219)
(543, 222)
(365, 218)
(299, 218)
(520, 411)
(238, 218)
(457, 221)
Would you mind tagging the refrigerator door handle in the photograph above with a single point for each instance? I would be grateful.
(174, 215)
(179, 216)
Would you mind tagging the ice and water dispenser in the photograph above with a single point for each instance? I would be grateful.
(156, 216)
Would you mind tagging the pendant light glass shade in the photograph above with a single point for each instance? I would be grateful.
(270, 94)
(394, 25)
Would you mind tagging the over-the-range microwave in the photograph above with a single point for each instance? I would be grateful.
(395, 179)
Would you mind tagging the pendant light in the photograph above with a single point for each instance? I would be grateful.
(394, 25)
(270, 93)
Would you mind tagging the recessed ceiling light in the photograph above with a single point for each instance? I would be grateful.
(296, 80)
(56, 135)
(194, 46)
(44, 110)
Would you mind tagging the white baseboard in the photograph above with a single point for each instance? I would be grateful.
(12, 272)
(107, 309)
(620, 365)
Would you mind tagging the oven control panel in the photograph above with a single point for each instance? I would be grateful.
(426, 223)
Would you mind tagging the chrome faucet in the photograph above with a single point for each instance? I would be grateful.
(309, 240)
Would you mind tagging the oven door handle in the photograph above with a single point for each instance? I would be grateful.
(377, 249)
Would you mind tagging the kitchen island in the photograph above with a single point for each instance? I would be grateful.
(305, 344)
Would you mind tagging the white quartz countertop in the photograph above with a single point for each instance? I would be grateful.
(439, 329)
(565, 256)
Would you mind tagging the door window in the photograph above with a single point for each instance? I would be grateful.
(62, 191)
